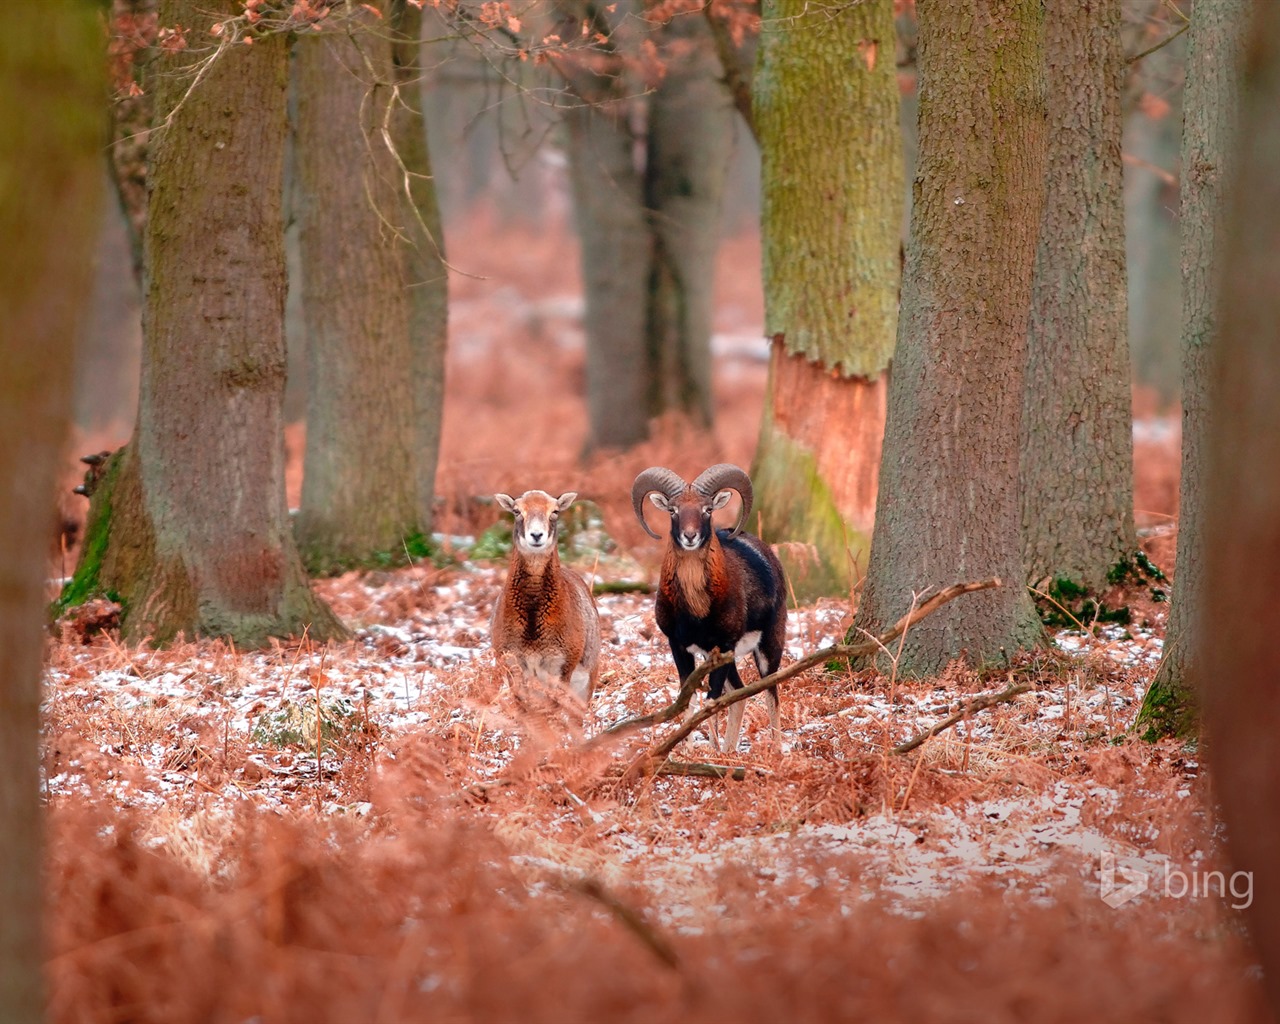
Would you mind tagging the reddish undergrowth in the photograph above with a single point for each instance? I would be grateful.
(451, 853)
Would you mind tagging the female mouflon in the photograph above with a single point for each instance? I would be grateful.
(545, 622)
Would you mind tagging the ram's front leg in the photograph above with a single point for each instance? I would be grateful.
(723, 679)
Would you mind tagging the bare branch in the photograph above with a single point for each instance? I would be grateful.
(687, 690)
(927, 608)
(977, 704)
(628, 917)
(1158, 46)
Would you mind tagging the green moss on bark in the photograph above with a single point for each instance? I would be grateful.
(823, 553)
(1169, 710)
(86, 582)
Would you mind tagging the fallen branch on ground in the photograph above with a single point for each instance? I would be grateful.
(704, 669)
(782, 675)
(700, 770)
(977, 704)
(628, 917)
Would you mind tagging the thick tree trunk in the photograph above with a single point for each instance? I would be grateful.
(1077, 423)
(691, 119)
(617, 252)
(1210, 126)
(826, 114)
(425, 269)
(51, 80)
(1235, 619)
(191, 529)
(648, 220)
(131, 119)
(1151, 140)
(359, 496)
(948, 502)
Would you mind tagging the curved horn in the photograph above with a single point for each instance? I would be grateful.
(655, 478)
(724, 476)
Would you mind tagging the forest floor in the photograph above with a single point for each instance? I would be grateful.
(443, 850)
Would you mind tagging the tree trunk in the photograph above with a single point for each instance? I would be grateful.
(948, 504)
(1151, 139)
(1234, 621)
(1210, 127)
(190, 529)
(51, 84)
(131, 113)
(426, 272)
(1077, 421)
(691, 119)
(608, 201)
(648, 220)
(359, 496)
(826, 113)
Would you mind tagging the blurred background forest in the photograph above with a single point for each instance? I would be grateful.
(516, 305)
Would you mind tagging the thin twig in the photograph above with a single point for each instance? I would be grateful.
(628, 916)
(1158, 46)
(977, 704)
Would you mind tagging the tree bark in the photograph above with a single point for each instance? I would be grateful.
(427, 275)
(51, 82)
(190, 529)
(826, 114)
(1077, 421)
(1211, 106)
(648, 220)
(608, 202)
(1234, 619)
(131, 113)
(359, 494)
(691, 119)
(948, 503)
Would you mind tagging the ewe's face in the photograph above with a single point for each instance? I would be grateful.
(537, 514)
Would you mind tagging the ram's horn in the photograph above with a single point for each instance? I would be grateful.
(726, 476)
(655, 478)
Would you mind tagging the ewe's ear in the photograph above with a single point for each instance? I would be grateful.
(721, 499)
(506, 501)
(660, 501)
(566, 500)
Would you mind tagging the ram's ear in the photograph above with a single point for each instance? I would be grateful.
(566, 500)
(506, 501)
(721, 499)
(660, 501)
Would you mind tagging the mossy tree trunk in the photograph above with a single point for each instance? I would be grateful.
(359, 495)
(1210, 126)
(426, 273)
(198, 539)
(826, 115)
(1236, 659)
(648, 219)
(1077, 422)
(51, 87)
(947, 509)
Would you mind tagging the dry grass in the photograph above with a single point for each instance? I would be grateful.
(451, 853)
